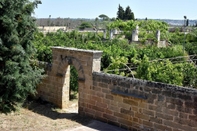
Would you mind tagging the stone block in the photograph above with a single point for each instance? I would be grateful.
(96, 98)
(135, 119)
(103, 85)
(183, 115)
(100, 94)
(130, 102)
(121, 115)
(172, 124)
(125, 106)
(110, 117)
(105, 91)
(90, 111)
(125, 122)
(96, 108)
(118, 98)
(152, 107)
(163, 116)
(147, 123)
(171, 106)
(114, 108)
(167, 93)
(102, 105)
(186, 97)
(91, 101)
(174, 101)
(128, 112)
(107, 111)
(110, 97)
(169, 111)
(156, 120)
(193, 117)
(184, 109)
(142, 104)
(156, 91)
(107, 101)
(141, 116)
(149, 112)
(162, 127)
(190, 104)
(151, 98)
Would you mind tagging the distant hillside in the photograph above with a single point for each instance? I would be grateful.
(73, 23)
(179, 22)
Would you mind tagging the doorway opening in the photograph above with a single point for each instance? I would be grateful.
(73, 91)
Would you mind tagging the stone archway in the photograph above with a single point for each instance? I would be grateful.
(55, 87)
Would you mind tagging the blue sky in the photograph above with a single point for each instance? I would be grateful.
(152, 9)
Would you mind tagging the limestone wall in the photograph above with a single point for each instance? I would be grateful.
(129, 103)
(55, 86)
(140, 105)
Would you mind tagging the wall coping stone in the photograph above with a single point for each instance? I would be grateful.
(76, 49)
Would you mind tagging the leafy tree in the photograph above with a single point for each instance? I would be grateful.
(128, 15)
(113, 19)
(96, 19)
(120, 13)
(104, 17)
(85, 25)
(17, 77)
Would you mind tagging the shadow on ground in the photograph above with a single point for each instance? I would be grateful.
(49, 110)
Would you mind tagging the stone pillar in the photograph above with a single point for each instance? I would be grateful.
(135, 34)
(104, 34)
(111, 35)
(158, 35)
(115, 31)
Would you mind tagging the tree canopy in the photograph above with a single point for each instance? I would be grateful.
(126, 14)
(104, 17)
(120, 13)
(18, 78)
(85, 25)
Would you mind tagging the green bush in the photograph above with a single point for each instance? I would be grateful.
(18, 78)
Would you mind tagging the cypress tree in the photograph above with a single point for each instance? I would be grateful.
(132, 16)
(120, 13)
(128, 14)
(17, 77)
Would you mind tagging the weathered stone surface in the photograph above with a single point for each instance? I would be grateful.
(130, 103)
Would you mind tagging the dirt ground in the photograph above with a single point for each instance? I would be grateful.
(42, 116)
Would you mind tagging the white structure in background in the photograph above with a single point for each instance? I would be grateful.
(111, 35)
(135, 34)
(158, 35)
(160, 43)
(115, 31)
(104, 33)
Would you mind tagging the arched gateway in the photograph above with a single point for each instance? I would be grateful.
(126, 102)
(55, 87)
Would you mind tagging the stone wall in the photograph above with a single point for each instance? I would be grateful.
(140, 105)
(129, 103)
(55, 86)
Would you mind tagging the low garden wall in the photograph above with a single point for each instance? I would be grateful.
(140, 105)
(126, 102)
